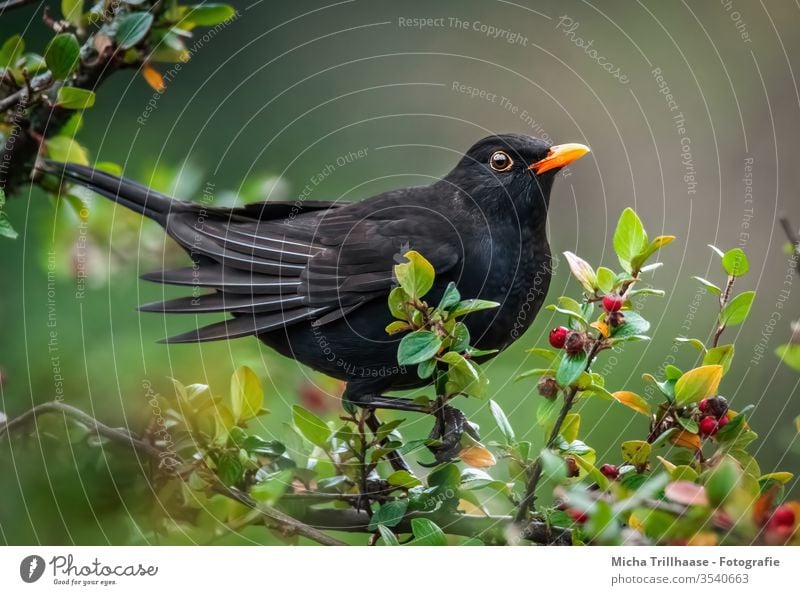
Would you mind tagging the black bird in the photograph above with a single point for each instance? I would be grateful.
(311, 278)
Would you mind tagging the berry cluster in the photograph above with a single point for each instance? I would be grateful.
(715, 415)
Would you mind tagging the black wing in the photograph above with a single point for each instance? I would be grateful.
(273, 265)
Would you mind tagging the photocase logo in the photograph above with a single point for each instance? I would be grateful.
(31, 568)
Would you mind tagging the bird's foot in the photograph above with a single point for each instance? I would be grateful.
(451, 424)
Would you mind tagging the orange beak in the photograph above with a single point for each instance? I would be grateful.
(560, 156)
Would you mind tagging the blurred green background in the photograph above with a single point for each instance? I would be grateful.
(266, 103)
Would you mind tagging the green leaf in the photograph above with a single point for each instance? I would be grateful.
(389, 514)
(311, 427)
(722, 481)
(636, 452)
(605, 279)
(464, 376)
(649, 250)
(469, 306)
(75, 98)
(630, 238)
(735, 262)
(698, 384)
(461, 340)
(247, 396)
(415, 276)
(633, 325)
(133, 28)
(696, 343)
(72, 11)
(11, 52)
(570, 368)
(388, 537)
(417, 347)
(427, 368)
(62, 55)
(229, 468)
(546, 412)
(722, 355)
(450, 297)
(62, 148)
(502, 422)
(403, 479)
(398, 303)
(737, 310)
(790, 354)
(6, 229)
(582, 271)
(554, 468)
(708, 285)
(208, 15)
(270, 489)
(426, 532)
(444, 477)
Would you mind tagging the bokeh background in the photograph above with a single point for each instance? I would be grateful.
(347, 99)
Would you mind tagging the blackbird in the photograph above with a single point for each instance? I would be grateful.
(311, 278)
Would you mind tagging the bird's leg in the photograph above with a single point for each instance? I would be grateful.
(450, 423)
(395, 459)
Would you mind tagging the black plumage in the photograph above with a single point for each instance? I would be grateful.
(311, 278)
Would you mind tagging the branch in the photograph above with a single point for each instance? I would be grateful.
(793, 238)
(123, 436)
(120, 435)
(491, 529)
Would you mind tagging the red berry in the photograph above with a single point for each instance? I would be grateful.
(610, 471)
(558, 337)
(578, 516)
(613, 302)
(703, 405)
(723, 421)
(708, 426)
(783, 516)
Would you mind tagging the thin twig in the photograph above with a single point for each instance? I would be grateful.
(569, 399)
(276, 517)
(118, 434)
(791, 234)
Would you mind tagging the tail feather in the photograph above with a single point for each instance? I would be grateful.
(130, 194)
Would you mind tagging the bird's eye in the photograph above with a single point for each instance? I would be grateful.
(500, 161)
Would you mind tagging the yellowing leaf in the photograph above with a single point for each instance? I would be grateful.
(636, 452)
(779, 476)
(571, 427)
(698, 384)
(153, 78)
(62, 148)
(247, 396)
(686, 439)
(477, 456)
(602, 328)
(398, 326)
(415, 276)
(704, 538)
(632, 400)
(667, 465)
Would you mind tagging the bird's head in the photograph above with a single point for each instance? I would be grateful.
(513, 167)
